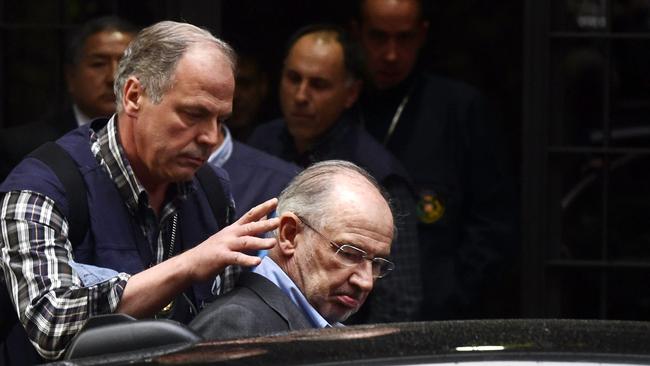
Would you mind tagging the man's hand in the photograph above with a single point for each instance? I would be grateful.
(148, 291)
(228, 246)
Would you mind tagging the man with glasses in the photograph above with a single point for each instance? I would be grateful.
(320, 81)
(335, 233)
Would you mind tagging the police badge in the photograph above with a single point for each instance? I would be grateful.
(430, 207)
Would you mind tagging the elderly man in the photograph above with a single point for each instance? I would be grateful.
(440, 130)
(335, 232)
(320, 82)
(92, 54)
(150, 240)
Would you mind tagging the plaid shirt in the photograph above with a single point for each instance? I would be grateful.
(51, 299)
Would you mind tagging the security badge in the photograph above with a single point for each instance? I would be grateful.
(430, 207)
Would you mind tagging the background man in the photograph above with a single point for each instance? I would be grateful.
(320, 83)
(150, 237)
(336, 228)
(255, 176)
(92, 55)
(438, 129)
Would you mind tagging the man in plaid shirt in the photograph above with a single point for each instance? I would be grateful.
(151, 234)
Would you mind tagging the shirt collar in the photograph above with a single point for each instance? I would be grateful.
(269, 269)
(108, 151)
(223, 152)
(80, 116)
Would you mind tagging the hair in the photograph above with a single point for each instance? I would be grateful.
(77, 39)
(308, 195)
(154, 53)
(353, 58)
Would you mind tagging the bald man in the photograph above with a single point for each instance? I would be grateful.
(335, 234)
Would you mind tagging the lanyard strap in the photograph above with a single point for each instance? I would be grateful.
(396, 116)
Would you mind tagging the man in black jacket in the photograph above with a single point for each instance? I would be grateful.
(440, 130)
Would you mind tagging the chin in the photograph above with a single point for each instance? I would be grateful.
(340, 318)
(181, 175)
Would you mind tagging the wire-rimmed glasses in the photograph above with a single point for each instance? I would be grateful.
(350, 255)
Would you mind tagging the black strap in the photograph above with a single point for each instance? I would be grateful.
(62, 164)
(213, 189)
(15, 348)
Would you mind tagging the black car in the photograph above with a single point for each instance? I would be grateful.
(466, 342)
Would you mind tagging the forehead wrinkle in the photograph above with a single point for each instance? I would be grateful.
(367, 232)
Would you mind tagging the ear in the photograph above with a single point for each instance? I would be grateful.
(353, 93)
(133, 94)
(288, 230)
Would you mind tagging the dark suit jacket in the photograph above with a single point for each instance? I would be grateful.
(451, 147)
(256, 306)
(256, 176)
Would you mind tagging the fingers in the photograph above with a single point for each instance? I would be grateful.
(252, 243)
(249, 244)
(259, 227)
(259, 211)
(246, 260)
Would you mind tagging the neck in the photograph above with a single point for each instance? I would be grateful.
(301, 146)
(396, 90)
(155, 188)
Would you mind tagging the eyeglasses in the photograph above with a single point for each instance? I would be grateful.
(350, 255)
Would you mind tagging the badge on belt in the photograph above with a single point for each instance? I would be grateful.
(430, 207)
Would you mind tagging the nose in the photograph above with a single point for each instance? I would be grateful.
(209, 134)
(362, 276)
(301, 95)
(390, 54)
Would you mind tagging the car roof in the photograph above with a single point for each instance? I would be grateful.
(468, 342)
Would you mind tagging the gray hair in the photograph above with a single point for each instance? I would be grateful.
(154, 53)
(309, 194)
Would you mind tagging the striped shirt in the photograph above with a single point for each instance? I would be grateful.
(51, 299)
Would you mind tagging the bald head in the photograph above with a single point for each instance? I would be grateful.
(318, 83)
(334, 220)
(312, 192)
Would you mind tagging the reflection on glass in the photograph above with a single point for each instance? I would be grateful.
(577, 212)
(590, 14)
(580, 15)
